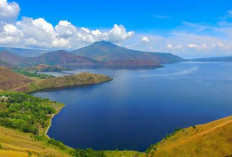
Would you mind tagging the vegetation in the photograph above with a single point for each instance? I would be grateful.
(88, 153)
(45, 68)
(57, 143)
(26, 112)
(211, 139)
(33, 74)
(65, 81)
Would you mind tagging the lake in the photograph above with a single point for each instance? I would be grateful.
(139, 107)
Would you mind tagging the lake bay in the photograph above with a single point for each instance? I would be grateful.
(140, 106)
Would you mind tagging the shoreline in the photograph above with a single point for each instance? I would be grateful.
(50, 124)
(50, 121)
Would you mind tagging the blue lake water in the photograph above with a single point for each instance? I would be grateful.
(141, 106)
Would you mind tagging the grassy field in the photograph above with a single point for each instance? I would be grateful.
(213, 139)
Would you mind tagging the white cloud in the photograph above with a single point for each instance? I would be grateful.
(8, 11)
(145, 39)
(192, 45)
(30, 32)
(169, 46)
(119, 33)
(39, 33)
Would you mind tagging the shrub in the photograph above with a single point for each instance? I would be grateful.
(38, 138)
(29, 154)
(88, 153)
(56, 143)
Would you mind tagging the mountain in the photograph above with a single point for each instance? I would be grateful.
(9, 59)
(61, 58)
(214, 59)
(10, 79)
(23, 52)
(99, 54)
(114, 55)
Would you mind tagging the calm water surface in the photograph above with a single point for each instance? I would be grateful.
(139, 107)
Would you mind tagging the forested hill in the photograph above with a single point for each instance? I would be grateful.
(12, 81)
(65, 81)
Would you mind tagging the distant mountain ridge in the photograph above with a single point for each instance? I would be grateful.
(98, 54)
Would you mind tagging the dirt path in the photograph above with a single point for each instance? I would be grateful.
(15, 89)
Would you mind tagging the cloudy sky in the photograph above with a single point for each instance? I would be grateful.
(189, 28)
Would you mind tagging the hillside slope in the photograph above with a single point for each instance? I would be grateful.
(18, 144)
(211, 139)
(9, 59)
(10, 79)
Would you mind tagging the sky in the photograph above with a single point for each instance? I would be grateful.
(188, 28)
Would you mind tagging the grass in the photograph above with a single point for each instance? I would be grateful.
(211, 139)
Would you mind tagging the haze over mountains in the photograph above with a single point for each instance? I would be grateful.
(214, 59)
(24, 52)
(100, 54)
